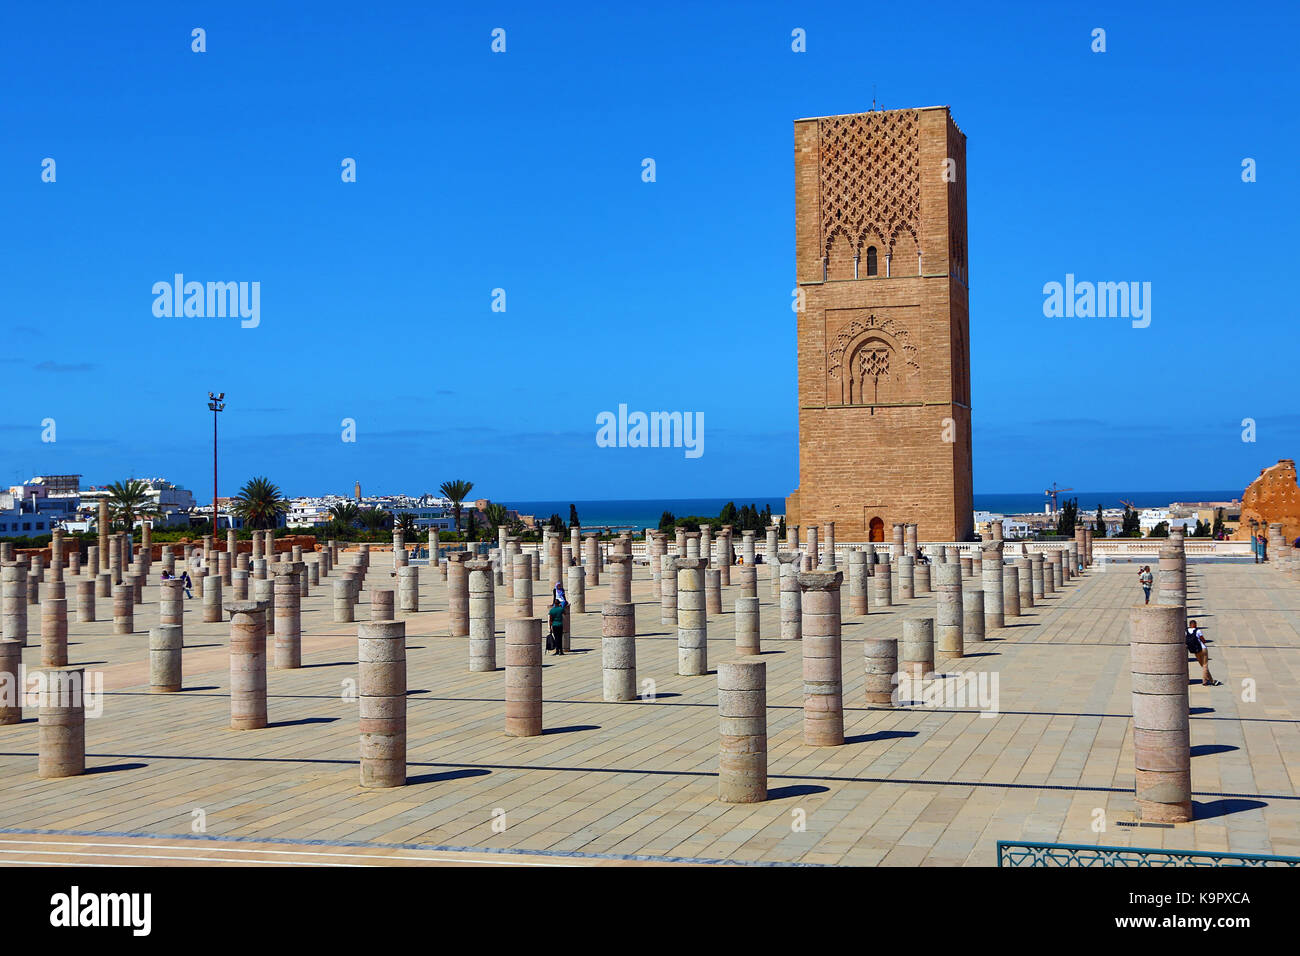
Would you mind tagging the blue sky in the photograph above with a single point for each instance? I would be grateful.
(522, 171)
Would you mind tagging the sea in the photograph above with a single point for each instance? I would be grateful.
(645, 512)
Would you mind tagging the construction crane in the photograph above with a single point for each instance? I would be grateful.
(1053, 492)
(1128, 504)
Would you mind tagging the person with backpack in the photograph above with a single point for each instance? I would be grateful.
(1146, 579)
(186, 583)
(1197, 646)
(555, 639)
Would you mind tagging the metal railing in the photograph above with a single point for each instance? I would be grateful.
(1075, 854)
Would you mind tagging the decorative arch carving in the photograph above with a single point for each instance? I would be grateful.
(873, 361)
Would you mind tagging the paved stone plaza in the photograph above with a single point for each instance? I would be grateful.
(909, 786)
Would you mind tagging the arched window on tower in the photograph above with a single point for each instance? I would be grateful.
(871, 260)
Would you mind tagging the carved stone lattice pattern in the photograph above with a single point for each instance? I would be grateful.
(870, 177)
(857, 329)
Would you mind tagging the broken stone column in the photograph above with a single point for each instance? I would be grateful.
(1058, 560)
(747, 549)
(54, 632)
(705, 542)
(239, 585)
(829, 562)
(165, 648)
(92, 561)
(814, 547)
(791, 603)
(382, 604)
(1161, 728)
(906, 579)
(1010, 591)
(620, 578)
(591, 557)
(858, 582)
(991, 574)
(1036, 575)
(288, 618)
(1024, 577)
(212, 600)
(921, 578)
(909, 540)
(618, 651)
(264, 594)
(1045, 568)
(14, 611)
(85, 602)
(61, 723)
(973, 619)
(482, 616)
(248, 664)
(458, 593)
(576, 590)
(381, 692)
(1075, 558)
(523, 587)
(342, 592)
(668, 592)
(917, 648)
(11, 678)
(823, 677)
(692, 621)
(535, 565)
(748, 579)
(949, 644)
(123, 609)
(880, 658)
(883, 585)
(1087, 546)
(104, 584)
(523, 644)
(1171, 582)
(102, 526)
(713, 590)
(725, 556)
(747, 639)
(742, 720)
(693, 549)
(967, 565)
(408, 589)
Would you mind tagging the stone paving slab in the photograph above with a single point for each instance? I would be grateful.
(912, 786)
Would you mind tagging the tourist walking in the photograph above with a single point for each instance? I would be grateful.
(186, 584)
(1196, 644)
(1145, 578)
(556, 639)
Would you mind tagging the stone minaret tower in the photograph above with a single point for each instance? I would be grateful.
(883, 333)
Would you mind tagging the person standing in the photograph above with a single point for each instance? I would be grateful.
(1146, 579)
(1198, 647)
(556, 615)
(186, 584)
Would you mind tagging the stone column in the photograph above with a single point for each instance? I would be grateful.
(814, 546)
(102, 528)
(54, 632)
(668, 592)
(692, 621)
(523, 677)
(458, 593)
(880, 658)
(123, 609)
(165, 648)
(1036, 575)
(1045, 569)
(524, 588)
(747, 639)
(973, 619)
(85, 601)
(1058, 575)
(1087, 543)
(408, 589)
(576, 590)
(713, 590)
(997, 529)
(482, 616)
(382, 604)
(264, 594)
(1077, 549)
(724, 556)
(115, 561)
(56, 554)
(342, 601)
(967, 565)
(14, 613)
(742, 720)
(823, 678)
(11, 676)
(288, 618)
(61, 727)
(706, 542)
(1161, 728)
(693, 549)
(909, 540)
(104, 584)
(1010, 591)
(858, 582)
(618, 651)
(791, 537)
(381, 689)
(535, 564)
(92, 561)
(679, 539)
(829, 561)
(906, 579)
(1024, 577)
(748, 578)
(994, 611)
(883, 585)
(239, 585)
(921, 578)
(620, 578)
(1171, 582)
(917, 648)
(949, 643)
(212, 599)
(791, 600)
(259, 551)
(591, 557)
(248, 664)
(747, 548)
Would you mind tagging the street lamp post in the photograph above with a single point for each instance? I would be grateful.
(216, 403)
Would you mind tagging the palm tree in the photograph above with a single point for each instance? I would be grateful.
(457, 491)
(374, 519)
(259, 503)
(496, 515)
(345, 514)
(406, 525)
(129, 500)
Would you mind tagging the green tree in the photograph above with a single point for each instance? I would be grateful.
(496, 515)
(729, 514)
(130, 500)
(456, 492)
(1159, 531)
(573, 517)
(1132, 523)
(471, 525)
(1068, 517)
(374, 519)
(260, 504)
(1099, 526)
(1217, 530)
(556, 523)
(346, 514)
(1202, 529)
(667, 521)
(405, 524)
